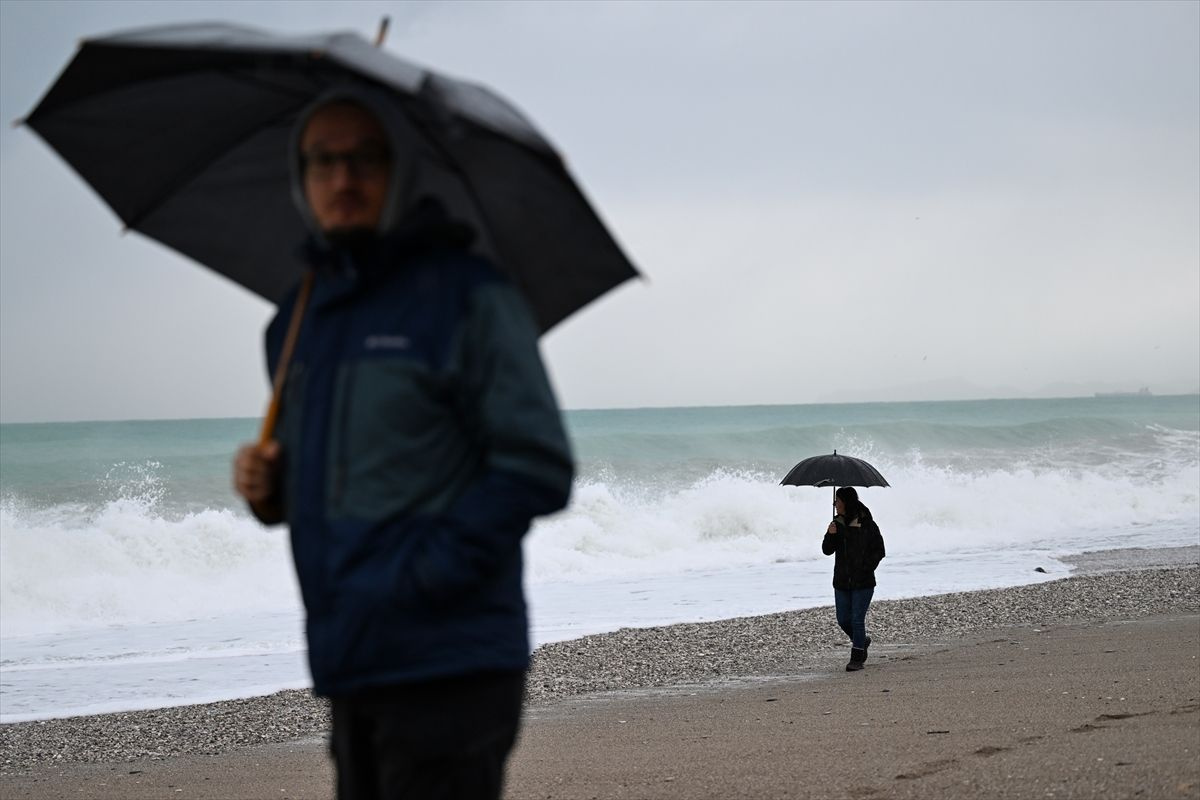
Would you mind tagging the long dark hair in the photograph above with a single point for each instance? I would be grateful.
(854, 507)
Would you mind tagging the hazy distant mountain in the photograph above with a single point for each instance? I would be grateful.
(943, 389)
(961, 389)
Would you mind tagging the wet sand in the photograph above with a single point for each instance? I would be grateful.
(1107, 710)
(1100, 701)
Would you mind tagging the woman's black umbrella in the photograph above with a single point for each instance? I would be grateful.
(833, 470)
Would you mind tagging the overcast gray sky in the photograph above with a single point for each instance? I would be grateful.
(832, 202)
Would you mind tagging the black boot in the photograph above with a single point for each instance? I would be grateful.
(866, 647)
(857, 657)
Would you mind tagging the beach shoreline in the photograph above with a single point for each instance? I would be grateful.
(999, 714)
(722, 659)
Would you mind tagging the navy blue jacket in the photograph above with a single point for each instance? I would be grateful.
(420, 438)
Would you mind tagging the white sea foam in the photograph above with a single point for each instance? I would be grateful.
(731, 519)
(64, 568)
(125, 564)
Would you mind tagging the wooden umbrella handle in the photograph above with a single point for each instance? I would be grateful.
(285, 357)
(382, 32)
(289, 344)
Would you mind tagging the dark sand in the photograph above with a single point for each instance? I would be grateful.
(1107, 710)
(1091, 710)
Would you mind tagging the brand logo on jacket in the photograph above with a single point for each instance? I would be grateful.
(385, 342)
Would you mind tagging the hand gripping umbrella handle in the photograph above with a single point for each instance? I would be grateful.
(285, 358)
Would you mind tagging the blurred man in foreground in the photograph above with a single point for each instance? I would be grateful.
(418, 438)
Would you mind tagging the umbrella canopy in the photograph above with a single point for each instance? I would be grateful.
(184, 132)
(833, 470)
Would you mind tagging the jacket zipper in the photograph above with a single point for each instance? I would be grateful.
(341, 462)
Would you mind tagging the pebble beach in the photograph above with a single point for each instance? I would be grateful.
(1116, 585)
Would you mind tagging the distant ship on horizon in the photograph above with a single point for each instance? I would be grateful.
(1142, 392)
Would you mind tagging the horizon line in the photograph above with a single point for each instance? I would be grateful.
(1093, 396)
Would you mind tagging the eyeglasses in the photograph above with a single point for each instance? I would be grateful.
(363, 162)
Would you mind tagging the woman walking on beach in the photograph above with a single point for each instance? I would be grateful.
(856, 544)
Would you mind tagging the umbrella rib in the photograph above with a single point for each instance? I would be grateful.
(429, 127)
(186, 176)
(182, 179)
(480, 209)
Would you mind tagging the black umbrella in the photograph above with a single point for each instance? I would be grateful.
(183, 130)
(833, 470)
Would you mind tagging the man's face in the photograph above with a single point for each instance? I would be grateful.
(346, 166)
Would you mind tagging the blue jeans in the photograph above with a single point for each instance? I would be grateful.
(851, 606)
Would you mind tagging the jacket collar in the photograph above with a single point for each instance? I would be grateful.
(347, 263)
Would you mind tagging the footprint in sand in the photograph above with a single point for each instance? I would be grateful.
(989, 750)
(926, 769)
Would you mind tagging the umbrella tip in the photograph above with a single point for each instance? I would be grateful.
(383, 28)
(18, 122)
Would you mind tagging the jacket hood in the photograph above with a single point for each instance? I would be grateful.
(416, 169)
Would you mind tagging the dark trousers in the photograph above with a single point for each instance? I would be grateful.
(851, 606)
(442, 740)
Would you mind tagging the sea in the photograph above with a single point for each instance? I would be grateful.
(131, 577)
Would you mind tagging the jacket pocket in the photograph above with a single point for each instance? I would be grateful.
(396, 446)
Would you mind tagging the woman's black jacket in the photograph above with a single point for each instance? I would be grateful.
(857, 549)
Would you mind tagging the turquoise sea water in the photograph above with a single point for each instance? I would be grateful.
(126, 562)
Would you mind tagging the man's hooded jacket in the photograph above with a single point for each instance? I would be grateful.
(420, 438)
